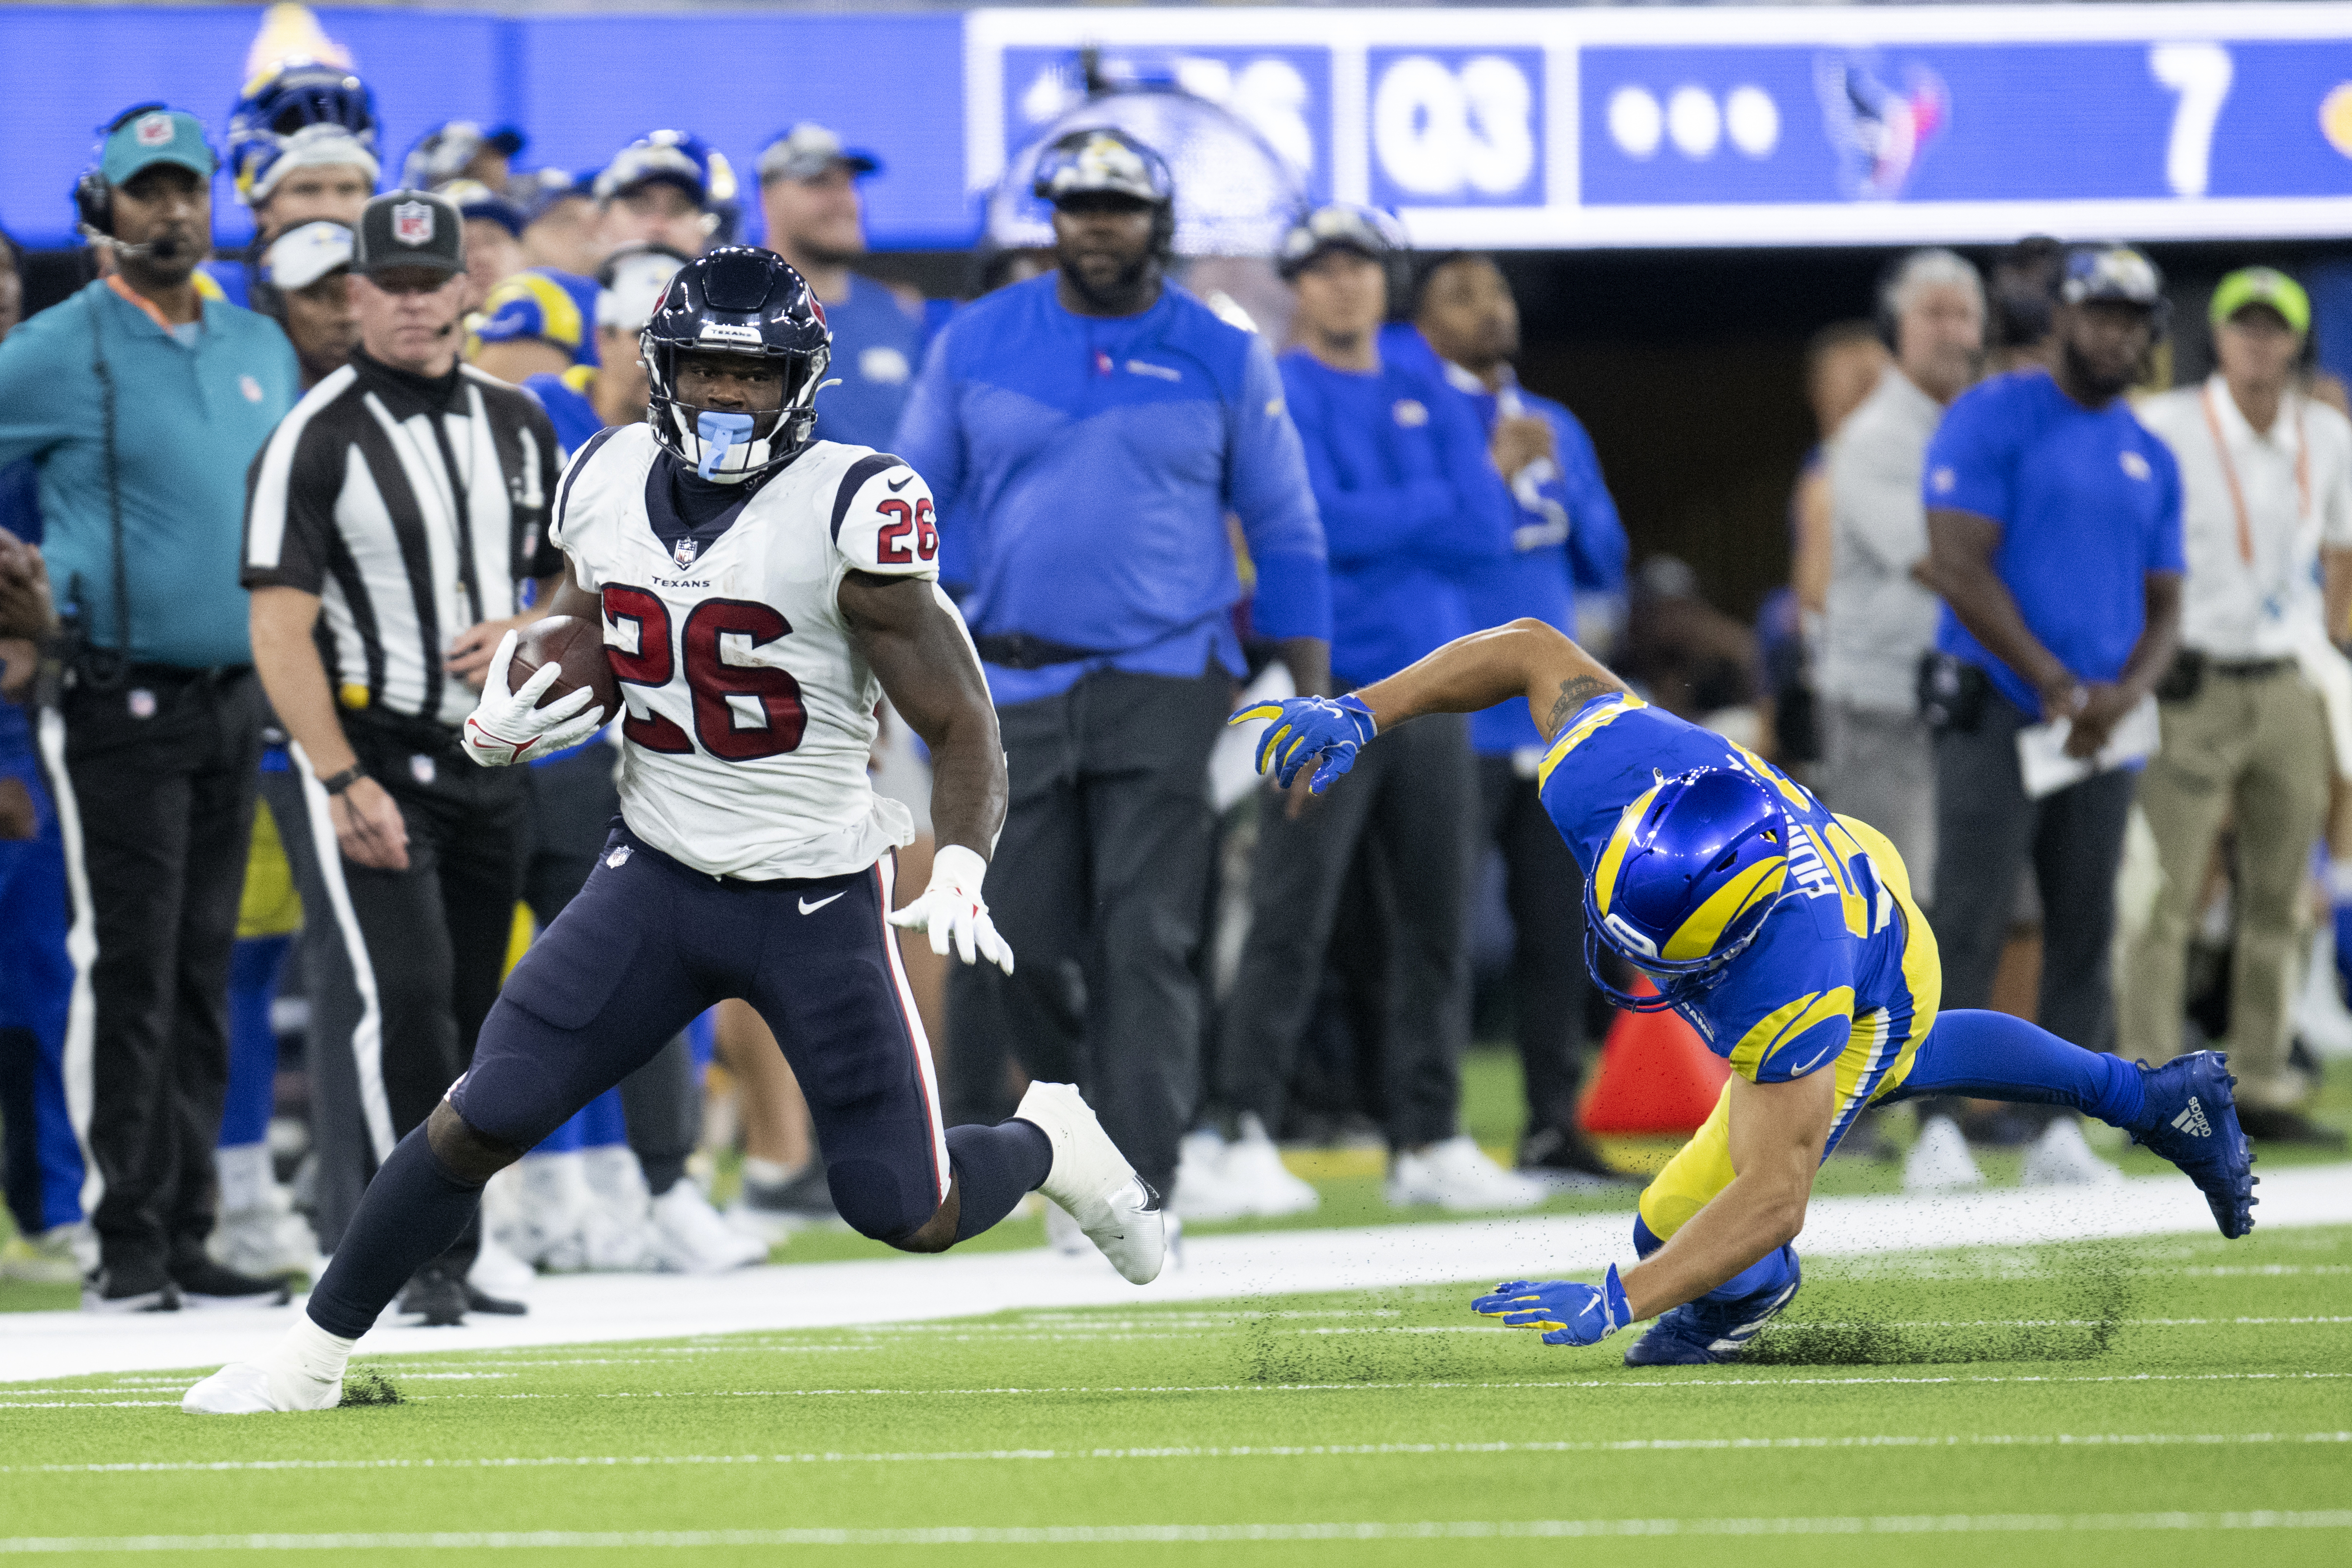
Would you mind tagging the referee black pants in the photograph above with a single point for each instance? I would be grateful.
(154, 784)
(1098, 884)
(403, 964)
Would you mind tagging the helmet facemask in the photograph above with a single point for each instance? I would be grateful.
(729, 446)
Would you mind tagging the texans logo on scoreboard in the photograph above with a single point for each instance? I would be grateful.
(412, 223)
(685, 550)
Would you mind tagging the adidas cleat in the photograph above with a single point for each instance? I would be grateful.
(2192, 1119)
(1091, 1179)
(1704, 1332)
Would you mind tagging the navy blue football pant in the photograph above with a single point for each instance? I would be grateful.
(649, 944)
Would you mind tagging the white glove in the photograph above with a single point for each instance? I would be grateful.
(951, 907)
(507, 728)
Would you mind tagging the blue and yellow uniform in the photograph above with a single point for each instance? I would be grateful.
(1842, 975)
(559, 308)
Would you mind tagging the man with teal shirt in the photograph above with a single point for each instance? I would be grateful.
(140, 402)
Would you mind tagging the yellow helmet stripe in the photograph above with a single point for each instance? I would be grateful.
(1612, 857)
(1703, 930)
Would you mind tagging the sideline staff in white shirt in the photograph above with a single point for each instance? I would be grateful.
(2266, 476)
(1880, 619)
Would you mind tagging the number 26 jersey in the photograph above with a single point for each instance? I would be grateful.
(750, 713)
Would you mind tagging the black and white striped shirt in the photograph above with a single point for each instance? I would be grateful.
(414, 510)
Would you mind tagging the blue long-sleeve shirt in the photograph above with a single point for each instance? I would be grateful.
(1083, 469)
(189, 417)
(1413, 508)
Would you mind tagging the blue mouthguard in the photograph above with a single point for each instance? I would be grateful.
(718, 432)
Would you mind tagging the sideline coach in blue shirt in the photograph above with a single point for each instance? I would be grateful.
(2053, 533)
(1412, 509)
(140, 402)
(1086, 433)
(1565, 531)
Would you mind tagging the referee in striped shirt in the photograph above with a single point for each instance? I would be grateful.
(391, 523)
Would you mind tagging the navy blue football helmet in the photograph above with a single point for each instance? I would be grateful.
(737, 300)
(301, 114)
(1685, 883)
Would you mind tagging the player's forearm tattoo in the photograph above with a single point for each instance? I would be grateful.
(1574, 693)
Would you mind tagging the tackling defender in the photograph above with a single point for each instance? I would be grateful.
(1787, 937)
(760, 594)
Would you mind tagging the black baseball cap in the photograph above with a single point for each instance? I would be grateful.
(409, 228)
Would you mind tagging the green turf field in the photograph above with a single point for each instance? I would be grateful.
(2112, 1403)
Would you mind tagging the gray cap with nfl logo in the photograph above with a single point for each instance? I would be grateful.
(409, 228)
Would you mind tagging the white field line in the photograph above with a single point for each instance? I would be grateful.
(1188, 1534)
(595, 1309)
(1627, 1383)
(1254, 1451)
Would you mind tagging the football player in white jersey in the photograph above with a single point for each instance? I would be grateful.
(760, 594)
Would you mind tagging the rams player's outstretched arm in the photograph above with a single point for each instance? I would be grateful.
(1525, 659)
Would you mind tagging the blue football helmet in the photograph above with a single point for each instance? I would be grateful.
(301, 114)
(1685, 883)
(736, 300)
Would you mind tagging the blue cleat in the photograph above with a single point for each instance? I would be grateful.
(2192, 1119)
(1703, 1333)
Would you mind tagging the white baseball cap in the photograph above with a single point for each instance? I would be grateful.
(305, 254)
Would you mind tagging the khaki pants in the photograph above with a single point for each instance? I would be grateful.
(2254, 752)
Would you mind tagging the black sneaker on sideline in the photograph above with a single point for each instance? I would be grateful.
(774, 1210)
(436, 1296)
(1563, 1159)
(129, 1289)
(480, 1300)
(204, 1283)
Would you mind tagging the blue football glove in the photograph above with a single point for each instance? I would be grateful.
(1570, 1313)
(1305, 729)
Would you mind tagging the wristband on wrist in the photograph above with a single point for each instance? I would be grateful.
(339, 782)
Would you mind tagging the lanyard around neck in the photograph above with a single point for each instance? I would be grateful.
(2230, 473)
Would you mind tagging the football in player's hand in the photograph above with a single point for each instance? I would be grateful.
(578, 646)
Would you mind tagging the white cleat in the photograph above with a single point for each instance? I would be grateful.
(689, 1238)
(1940, 1161)
(1457, 1175)
(1092, 1180)
(266, 1240)
(303, 1371)
(1255, 1173)
(499, 1272)
(2061, 1157)
(1202, 1191)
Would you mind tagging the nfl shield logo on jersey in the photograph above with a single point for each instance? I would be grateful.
(412, 223)
(685, 550)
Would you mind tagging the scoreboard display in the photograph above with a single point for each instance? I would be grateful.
(1669, 126)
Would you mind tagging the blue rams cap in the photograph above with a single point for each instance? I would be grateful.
(442, 154)
(474, 200)
(674, 157)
